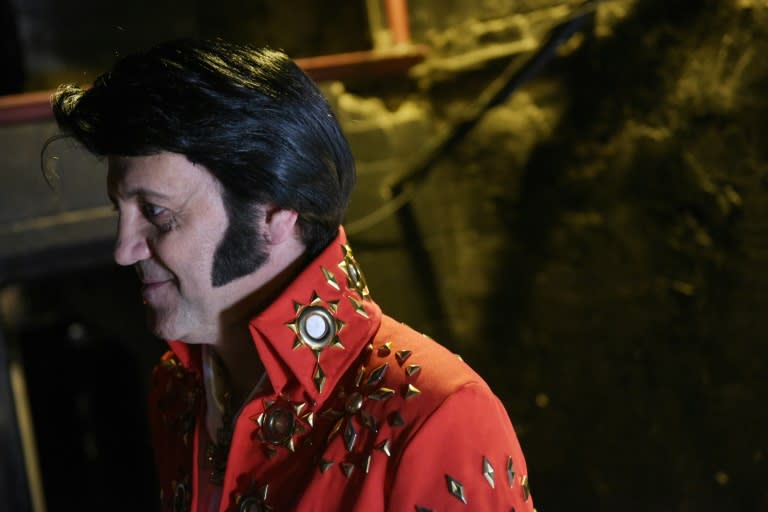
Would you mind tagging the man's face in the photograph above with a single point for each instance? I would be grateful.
(171, 221)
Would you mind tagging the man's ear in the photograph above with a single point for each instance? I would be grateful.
(280, 224)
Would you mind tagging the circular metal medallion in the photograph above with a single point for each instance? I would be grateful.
(316, 327)
(279, 425)
(251, 505)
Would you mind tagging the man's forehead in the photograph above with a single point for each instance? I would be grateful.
(161, 175)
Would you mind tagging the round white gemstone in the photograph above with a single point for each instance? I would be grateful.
(317, 326)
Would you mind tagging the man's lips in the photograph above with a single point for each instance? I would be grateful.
(149, 287)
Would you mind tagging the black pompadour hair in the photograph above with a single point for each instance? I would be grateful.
(249, 115)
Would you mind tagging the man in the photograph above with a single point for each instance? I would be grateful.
(286, 388)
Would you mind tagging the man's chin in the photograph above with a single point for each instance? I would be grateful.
(161, 326)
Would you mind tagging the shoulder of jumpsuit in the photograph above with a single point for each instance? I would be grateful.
(452, 446)
(318, 326)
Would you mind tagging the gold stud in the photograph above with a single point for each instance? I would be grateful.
(319, 378)
(385, 349)
(369, 421)
(395, 420)
(350, 436)
(336, 429)
(309, 418)
(455, 488)
(382, 394)
(526, 487)
(359, 309)
(354, 403)
(377, 375)
(324, 465)
(385, 447)
(359, 376)
(330, 278)
(402, 356)
(411, 391)
(347, 468)
(488, 472)
(510, 471)
(412, 369)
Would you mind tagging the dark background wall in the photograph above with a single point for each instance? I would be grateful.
(596, 247)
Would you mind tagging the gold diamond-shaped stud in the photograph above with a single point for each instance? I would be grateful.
(411, 391)
(350, 436)
(488, 472)
(377, 375)
(456, 489)
(382, 394)
(510, 471)
(360, 375)
(526, 487)
(330, 278)
(359, 309)
(319, 378)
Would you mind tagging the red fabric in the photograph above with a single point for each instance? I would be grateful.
(453, 428)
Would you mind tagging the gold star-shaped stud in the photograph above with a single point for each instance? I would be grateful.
(280, 423)
(456, 488)
(488, 472)
(316, 328)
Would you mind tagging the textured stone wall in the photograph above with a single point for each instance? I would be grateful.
(597, 246)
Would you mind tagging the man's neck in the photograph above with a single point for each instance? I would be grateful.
(234, 345)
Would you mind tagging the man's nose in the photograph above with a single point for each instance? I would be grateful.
(131, 245)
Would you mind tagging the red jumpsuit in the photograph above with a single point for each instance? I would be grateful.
(359, 413)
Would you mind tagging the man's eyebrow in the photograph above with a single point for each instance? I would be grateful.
(143, 192)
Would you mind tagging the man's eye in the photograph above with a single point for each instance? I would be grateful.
(151, 210)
